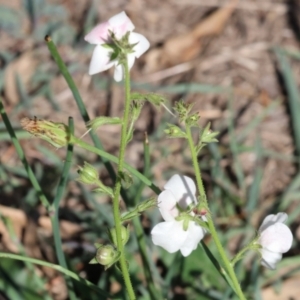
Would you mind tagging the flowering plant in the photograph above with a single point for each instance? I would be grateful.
(183, 204)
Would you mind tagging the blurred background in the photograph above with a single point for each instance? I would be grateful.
(237, 61)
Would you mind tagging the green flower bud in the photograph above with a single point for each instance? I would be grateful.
(174, 131)
(125, 233)
(183, 109)
(208, 136)
(57, 134)
(88, 174)
(192, 120)
(106, 256)
(147, 204)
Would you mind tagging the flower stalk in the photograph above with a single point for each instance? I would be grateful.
(117, 188)
(227, 264)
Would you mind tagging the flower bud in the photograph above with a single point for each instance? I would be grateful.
(183, 109)
(147, 204)
(208, 136)
(87, 174)
(57, 134)
(106, 256)
(174, 131)
(124, 235)
(193, 120)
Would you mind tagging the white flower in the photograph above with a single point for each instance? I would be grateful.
(275, 238)
(119, 24)
(170, 235)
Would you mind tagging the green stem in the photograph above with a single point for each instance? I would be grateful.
(239, 255)
(227, 264)
(58, 268)
(117, 188)
(64, 71)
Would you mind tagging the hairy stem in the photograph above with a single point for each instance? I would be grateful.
(117, 188)
(226, 262)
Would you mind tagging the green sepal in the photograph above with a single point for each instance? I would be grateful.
(93, 261)
(108, 46)
(193, 120)
(139, 209)
(97, 245)
(208, 136)
(174, 131)
(87, 174)
(135, 109)
(117, 257)
(125, 234)
(183, 109)
(201, 223)
(127, 216)
(115, 54)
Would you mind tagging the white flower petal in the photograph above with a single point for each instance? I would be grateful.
(276, 238)
(100, 60)
(98, 34)
(119, 73)
(169, 235)
(167, 205)
(183, 189)
(142, 44)
(270, 259)
(120, 24)
(272, 219)
(195, 235)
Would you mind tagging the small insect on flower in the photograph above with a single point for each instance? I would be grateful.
(57, 134)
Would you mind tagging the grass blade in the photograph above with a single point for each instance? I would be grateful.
(57, 268)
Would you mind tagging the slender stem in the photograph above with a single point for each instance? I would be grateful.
(64, 71)
(117, 188)
(227, 264)
(239, 255)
